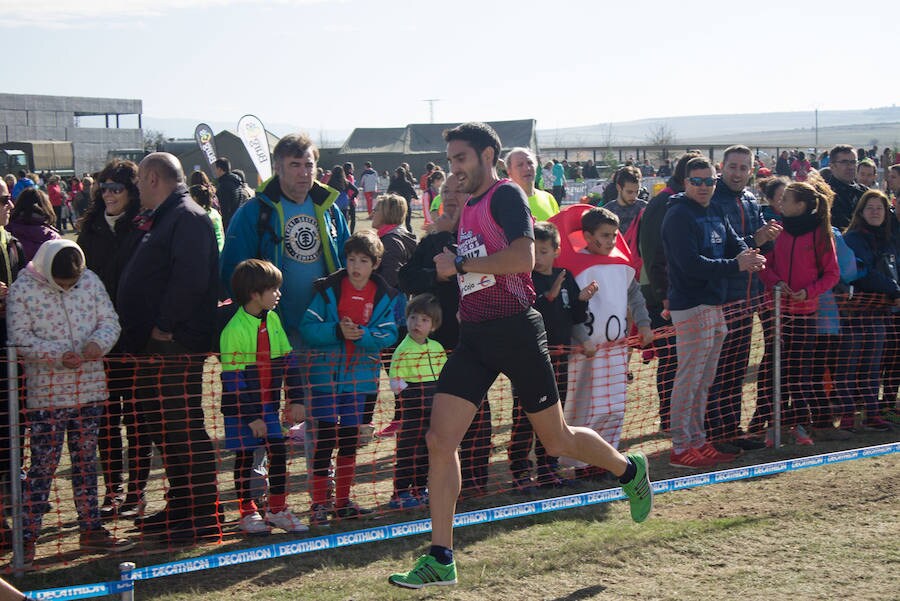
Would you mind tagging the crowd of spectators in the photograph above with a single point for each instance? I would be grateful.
(157, 251)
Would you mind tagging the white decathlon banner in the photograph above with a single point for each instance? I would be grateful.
(253, 134)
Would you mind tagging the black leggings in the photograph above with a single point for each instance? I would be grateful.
(328, 437)
(411, 469)
(243, 465)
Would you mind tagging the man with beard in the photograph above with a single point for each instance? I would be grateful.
(743, 291)
(500, 332)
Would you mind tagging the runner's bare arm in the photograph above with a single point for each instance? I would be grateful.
(518, 257)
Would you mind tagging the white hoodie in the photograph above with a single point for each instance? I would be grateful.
(45, 322)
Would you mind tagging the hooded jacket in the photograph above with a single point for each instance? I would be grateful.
(700, 246)
(246, 239)
(332, 371)
(45, 322)
(368, 181)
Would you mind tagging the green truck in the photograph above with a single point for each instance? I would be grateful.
(36, 156)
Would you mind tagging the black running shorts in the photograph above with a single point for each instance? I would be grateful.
(514, 346)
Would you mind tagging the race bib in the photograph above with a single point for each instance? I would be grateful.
(473, 282)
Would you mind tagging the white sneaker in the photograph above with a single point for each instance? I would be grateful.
(253, 524)
(286, 520)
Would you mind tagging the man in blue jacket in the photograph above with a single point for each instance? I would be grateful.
(293, 223)
(743, 292)
(702, 250)
(166, 302)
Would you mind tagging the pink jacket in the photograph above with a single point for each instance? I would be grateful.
(55, 194)
(793, 261)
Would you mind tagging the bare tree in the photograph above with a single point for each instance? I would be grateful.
(661, 135)
(607, 136)
(153, 139)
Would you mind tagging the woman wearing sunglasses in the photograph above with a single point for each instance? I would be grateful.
(108, 236)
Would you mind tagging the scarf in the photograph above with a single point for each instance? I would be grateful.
(801, 224)
(111, 220)
(387, 229)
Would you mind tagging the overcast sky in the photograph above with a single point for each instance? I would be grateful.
(340, 64)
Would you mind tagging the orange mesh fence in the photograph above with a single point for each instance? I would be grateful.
(171, 459)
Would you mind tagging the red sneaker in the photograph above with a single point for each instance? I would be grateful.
(690, 459)
(715, 456)
(390, 430)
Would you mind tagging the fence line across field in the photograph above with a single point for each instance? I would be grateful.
(376, 466)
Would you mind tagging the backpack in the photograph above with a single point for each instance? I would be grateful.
(244, 193)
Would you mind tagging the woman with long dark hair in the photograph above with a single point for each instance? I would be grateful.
(31, 221)
(108, 236)
(870, 236)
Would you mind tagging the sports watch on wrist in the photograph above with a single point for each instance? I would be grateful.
(459, 262)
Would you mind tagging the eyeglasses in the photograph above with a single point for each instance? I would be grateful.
(846, 162)
(113, 187)
(5, 199)
(709, 182)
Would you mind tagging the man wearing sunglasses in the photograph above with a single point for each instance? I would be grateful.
(702, 251)
(842, 179)
(743, 293)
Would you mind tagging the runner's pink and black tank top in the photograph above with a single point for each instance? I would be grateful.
(482, 296)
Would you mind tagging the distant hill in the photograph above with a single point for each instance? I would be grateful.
(857, 127)
(793, 129)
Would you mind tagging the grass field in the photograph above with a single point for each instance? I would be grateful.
(820, 533)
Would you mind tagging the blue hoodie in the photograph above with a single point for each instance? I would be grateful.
(332, 371)
(700, 246)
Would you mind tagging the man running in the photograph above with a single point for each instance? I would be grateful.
(500, 332)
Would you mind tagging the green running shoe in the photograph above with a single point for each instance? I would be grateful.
(639, 491)
(428, 571)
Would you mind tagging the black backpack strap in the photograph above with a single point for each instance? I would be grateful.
(264, 226)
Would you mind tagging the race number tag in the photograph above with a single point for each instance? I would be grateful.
(473, 282)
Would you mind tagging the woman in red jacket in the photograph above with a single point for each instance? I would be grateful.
(804, 263)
